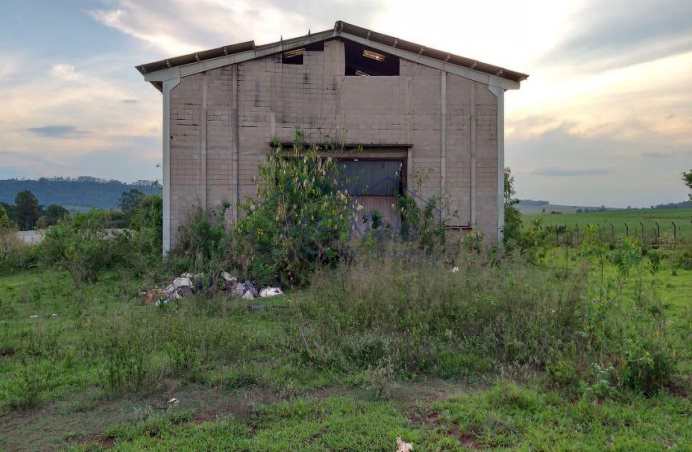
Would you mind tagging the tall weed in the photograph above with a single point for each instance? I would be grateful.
(410, 308)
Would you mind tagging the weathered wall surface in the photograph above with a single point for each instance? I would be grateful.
(273, 99)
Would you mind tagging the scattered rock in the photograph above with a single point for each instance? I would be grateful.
(173, 402)
(403, 446)
(248, 296)
(455, 270)
(270, 292)
(35, 316)
(54, 316)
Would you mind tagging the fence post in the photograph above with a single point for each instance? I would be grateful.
(658, 234)
(576, 230)
(612, 233)
(643, 238)
(557, 235)
(675, 233)
(627, 230)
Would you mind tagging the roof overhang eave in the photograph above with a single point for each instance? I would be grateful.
(474, 70)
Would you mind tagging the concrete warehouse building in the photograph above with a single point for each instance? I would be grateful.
(406, 118)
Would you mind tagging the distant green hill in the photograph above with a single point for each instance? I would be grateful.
(82, 193)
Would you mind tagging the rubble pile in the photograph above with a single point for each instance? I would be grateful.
(188, 284)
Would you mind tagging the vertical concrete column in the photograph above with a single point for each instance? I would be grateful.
(499, 93)
(235, 139)
(203, 144)
(443, 136)
(472, 157)
(167, 87)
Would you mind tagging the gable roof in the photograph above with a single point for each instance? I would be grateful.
(207, 59)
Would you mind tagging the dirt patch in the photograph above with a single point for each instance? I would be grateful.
(102, 441)
(433, 420)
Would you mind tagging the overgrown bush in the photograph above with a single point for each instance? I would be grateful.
(82, 245)
(421, 225)
(300, 221)
(14, 254)
(147, 219)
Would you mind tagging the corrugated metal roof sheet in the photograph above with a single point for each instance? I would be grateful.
(340, 27)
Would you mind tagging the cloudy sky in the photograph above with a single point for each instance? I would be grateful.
(605, 118)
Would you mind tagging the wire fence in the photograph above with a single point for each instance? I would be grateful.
(655, 234)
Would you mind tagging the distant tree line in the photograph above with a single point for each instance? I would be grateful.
(27, 213)
(82, 193)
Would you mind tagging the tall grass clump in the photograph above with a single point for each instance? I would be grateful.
(410, 311)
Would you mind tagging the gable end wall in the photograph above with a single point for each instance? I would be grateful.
(250, 103)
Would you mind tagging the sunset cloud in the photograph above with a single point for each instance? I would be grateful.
(604, 117)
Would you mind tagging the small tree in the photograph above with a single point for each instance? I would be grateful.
(129, 201)
(687, 178)
(301, 219)
(27, 210)
(5, 222)
(52, 215)
(512, 229)
(147, 222)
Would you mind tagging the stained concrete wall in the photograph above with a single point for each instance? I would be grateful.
(273, 99)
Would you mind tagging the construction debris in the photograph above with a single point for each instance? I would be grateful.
(270, 292)
(188, 284)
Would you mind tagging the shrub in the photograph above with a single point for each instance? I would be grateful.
(300, 221)
(203, 244)
(83, 246)
(5, 223)
(14, 254)
(147, 218)
(422, 226)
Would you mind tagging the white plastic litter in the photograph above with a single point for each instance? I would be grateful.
(183, 281)
(403, 446)
(228, 277)
(270, 292)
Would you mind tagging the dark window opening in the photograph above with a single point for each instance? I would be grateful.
(371, 177)
(295, 56)
(362, 61)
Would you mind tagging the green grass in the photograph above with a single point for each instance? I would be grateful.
(93, 367)
(632, 217)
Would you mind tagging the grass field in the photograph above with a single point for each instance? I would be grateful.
(95, 368)
(632, 217)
